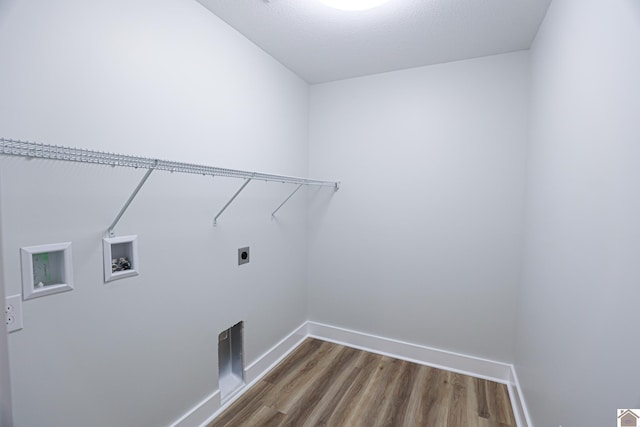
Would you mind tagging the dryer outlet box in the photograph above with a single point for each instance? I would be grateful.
(231, 360)
(243, 255)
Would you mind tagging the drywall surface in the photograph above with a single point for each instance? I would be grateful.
(577, 348)
(423, 241)
(6, 417)
(165, 79)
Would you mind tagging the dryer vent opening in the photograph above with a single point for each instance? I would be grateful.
(231, 360)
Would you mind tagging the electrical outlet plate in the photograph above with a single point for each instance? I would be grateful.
(13, 312)
(243, 255)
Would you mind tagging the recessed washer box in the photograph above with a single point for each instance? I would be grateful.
(120, 256)
(46, 269)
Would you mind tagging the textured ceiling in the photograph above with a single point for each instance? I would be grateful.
(321, 44)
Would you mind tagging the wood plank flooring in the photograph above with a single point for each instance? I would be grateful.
(325, 384)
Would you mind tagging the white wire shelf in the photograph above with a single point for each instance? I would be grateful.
(12, 147)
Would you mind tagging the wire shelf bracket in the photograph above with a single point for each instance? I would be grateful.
(13, 147)
(273, 214)
(111, 231)
(246, 182)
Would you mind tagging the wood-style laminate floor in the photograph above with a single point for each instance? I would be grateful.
(325, 384)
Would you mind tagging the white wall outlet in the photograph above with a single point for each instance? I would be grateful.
(13, 312)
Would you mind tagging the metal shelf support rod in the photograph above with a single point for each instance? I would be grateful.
(286, 200)
(112, 233)
(246, 182)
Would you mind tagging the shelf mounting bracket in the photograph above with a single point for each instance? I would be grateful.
(111, 231)
(246, 182)
(286, 200)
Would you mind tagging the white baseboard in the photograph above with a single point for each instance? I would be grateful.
(517, 401)
(205, 411)
(455, 362)
(202, 411)
(271, 358)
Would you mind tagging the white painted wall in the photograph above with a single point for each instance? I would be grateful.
(165, 79)
(577, 347)
(6, 413)
(423, 241)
